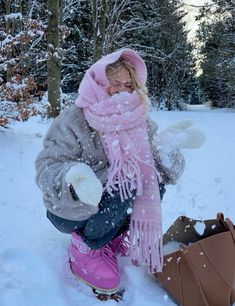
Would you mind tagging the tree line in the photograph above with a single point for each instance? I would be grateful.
(47, 46)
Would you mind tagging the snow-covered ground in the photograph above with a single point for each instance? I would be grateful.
(33, 255)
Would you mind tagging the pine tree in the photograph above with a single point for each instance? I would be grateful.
(173, 70)
(217, 36)
(77, 43)
(158, 34)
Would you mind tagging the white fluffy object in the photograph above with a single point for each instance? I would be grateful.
(181, 135)
(85, 183)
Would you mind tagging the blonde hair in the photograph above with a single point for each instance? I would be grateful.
(141, 89)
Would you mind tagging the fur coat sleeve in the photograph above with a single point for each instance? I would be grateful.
(169, 160)
(63, 147)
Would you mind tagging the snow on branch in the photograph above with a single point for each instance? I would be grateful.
(13, 16)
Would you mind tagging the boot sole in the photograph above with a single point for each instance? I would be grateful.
(99, 290)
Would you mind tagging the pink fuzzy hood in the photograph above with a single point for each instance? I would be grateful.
(96, 76)
(97, 70)
(131, 56)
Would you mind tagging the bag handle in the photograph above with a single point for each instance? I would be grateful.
(227, 222)
(220, 216)
(231, 227)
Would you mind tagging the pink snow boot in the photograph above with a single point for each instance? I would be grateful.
(97, 268)
(120, 244)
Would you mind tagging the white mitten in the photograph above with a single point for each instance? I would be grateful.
(180, 135)
(85, 183)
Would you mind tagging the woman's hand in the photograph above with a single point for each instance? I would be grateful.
(180, 135)
(85, 183)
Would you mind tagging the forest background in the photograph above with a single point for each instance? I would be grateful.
(46, 47)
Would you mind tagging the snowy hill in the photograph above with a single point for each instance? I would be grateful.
(33, 255)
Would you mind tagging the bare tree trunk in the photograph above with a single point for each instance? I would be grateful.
(8, 31)
(19, 26)
(99, 27)
(53, 63)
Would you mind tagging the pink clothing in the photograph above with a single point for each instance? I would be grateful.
(97, 268)
(121, 122)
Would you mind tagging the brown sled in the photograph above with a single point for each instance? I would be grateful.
(202, 271)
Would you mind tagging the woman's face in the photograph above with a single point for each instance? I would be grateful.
(119, 82)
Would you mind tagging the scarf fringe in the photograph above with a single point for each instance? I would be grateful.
(146, 245)
(127, 176)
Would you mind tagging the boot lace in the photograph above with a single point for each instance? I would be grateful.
(123, 244)
(104, 254)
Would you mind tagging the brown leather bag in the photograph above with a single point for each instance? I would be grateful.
(202, 271)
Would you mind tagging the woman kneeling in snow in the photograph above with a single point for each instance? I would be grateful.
(100, 172)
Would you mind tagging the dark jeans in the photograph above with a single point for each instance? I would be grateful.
(110, 221)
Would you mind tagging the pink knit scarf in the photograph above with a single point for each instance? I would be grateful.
(121, 123)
